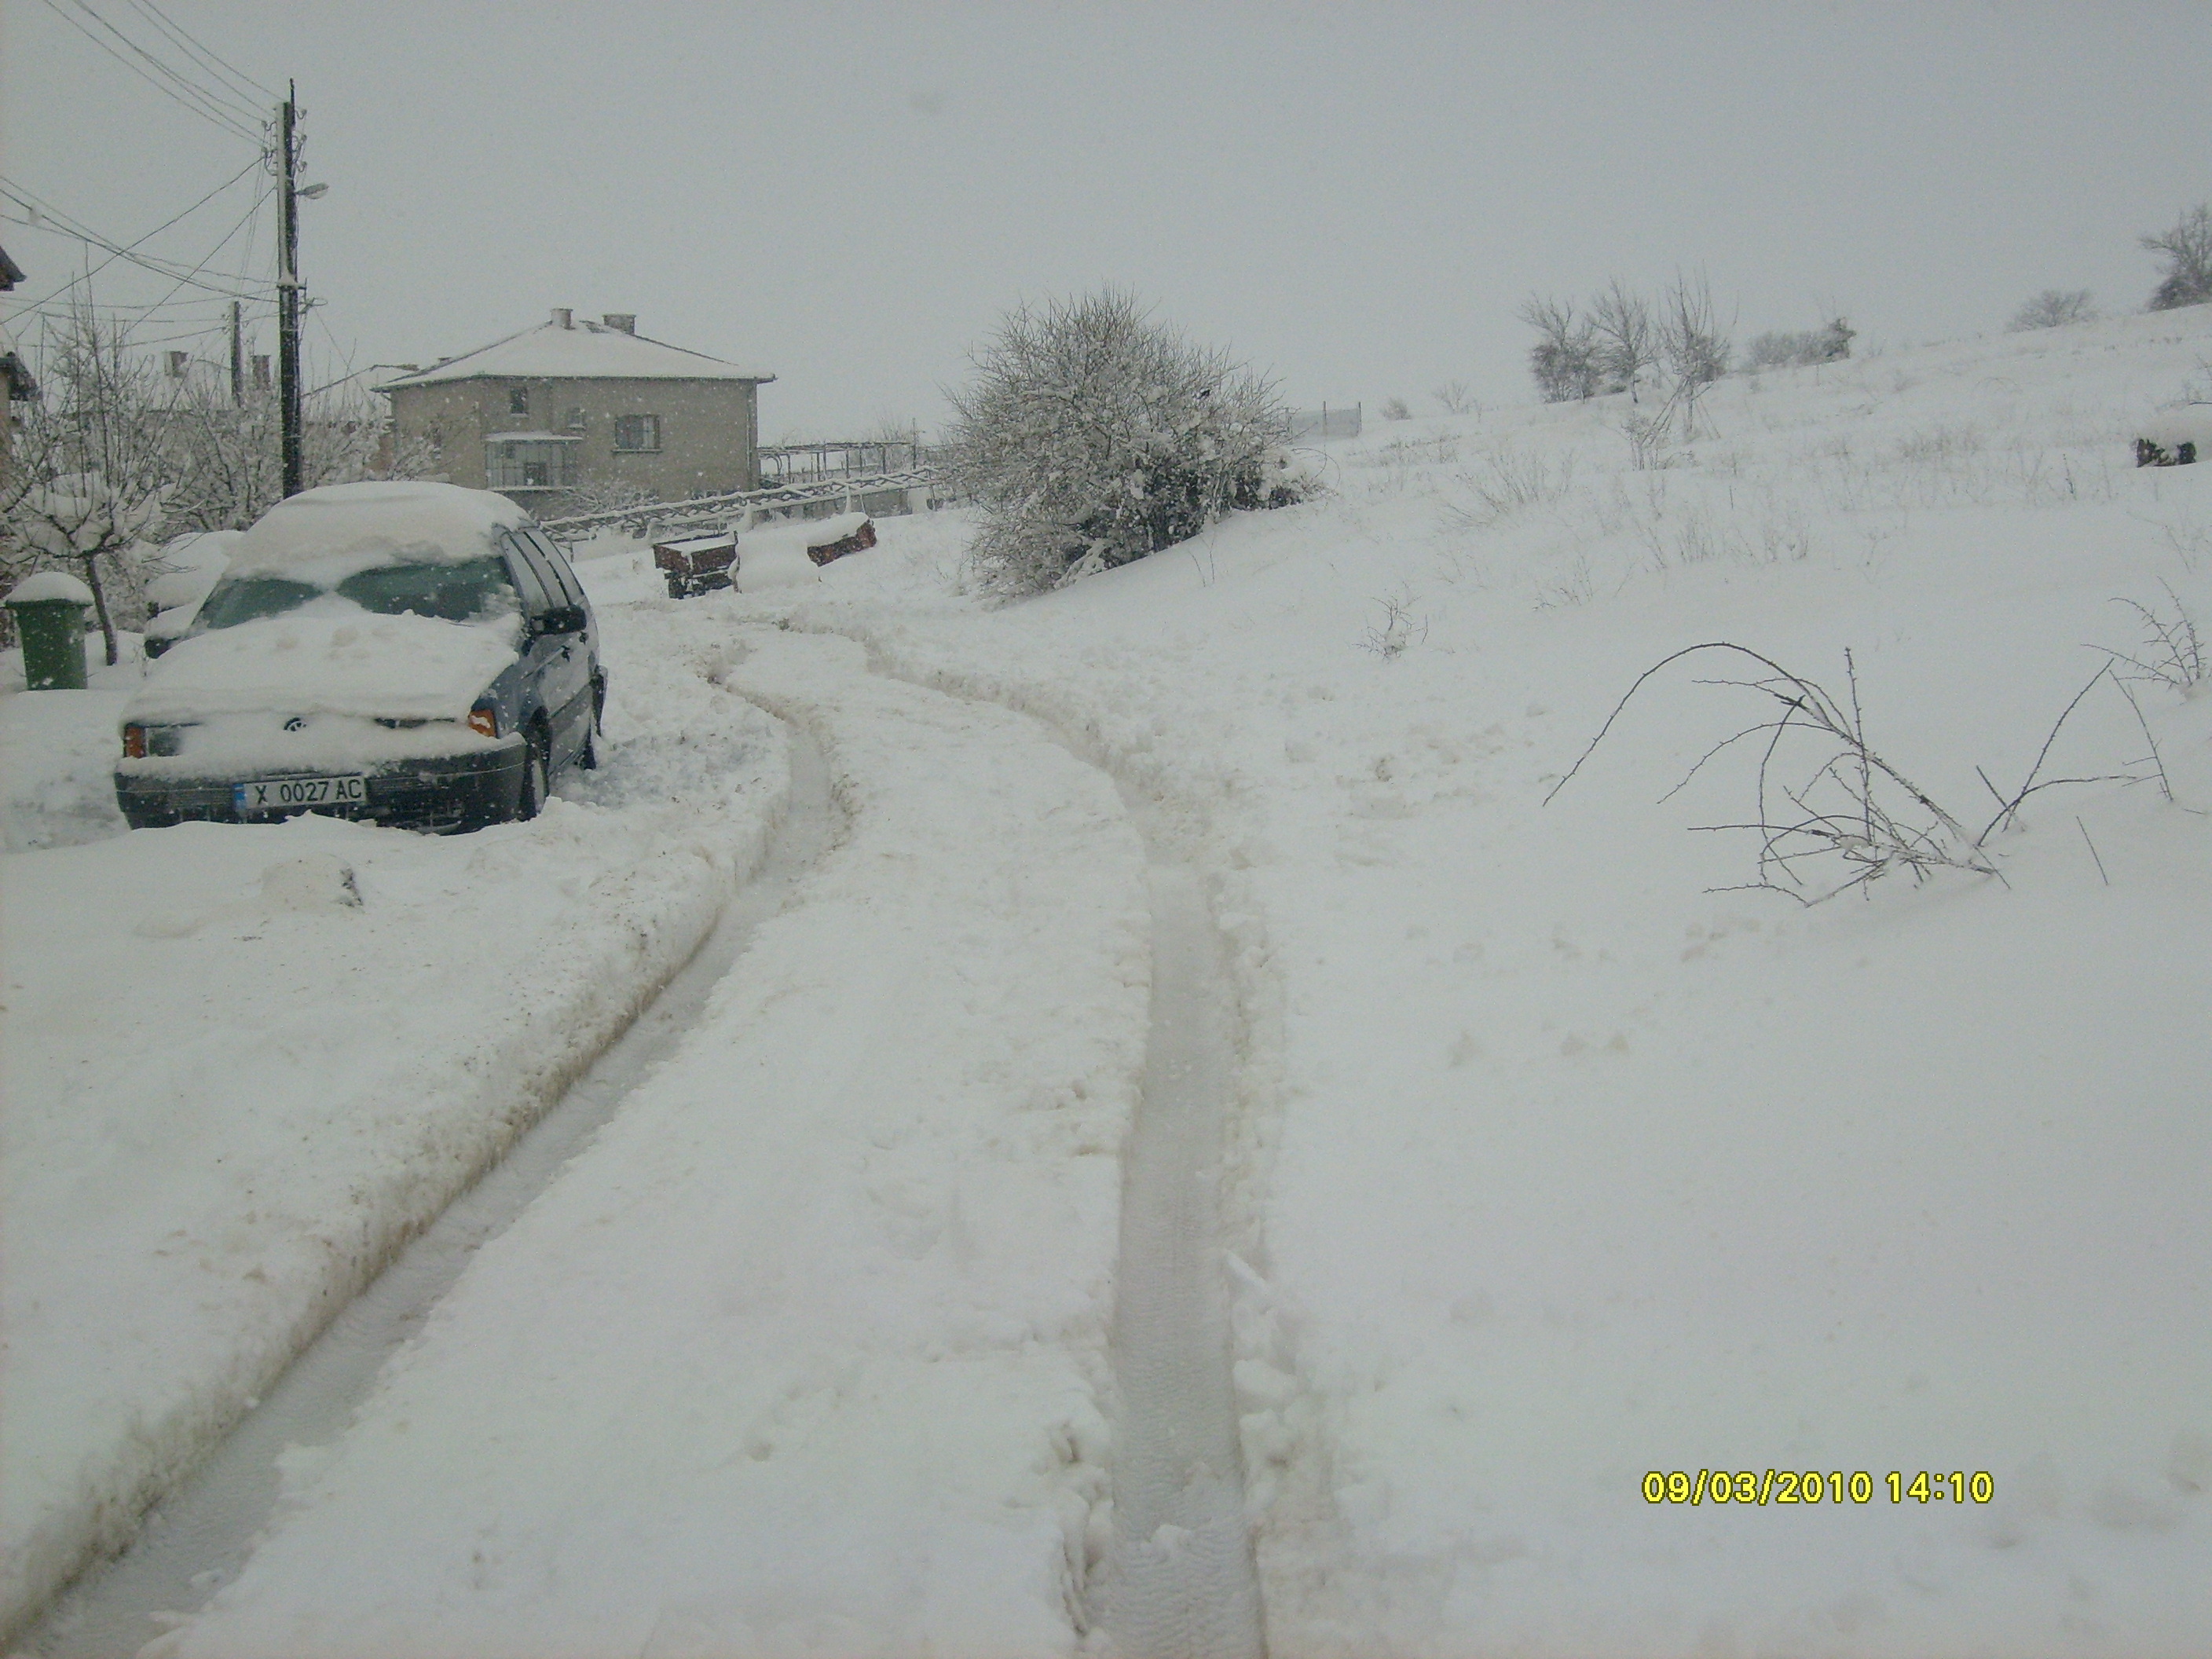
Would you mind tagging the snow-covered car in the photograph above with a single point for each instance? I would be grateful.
(413, 653)
(189, 565)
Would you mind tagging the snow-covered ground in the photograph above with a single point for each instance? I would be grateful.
(1559, 1157)
(232, 1089)
(804, 1353)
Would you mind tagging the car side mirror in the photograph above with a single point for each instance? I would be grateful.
(562, 619)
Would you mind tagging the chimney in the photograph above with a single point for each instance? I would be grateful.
(261, 373)
(623, 322)
(563, 316)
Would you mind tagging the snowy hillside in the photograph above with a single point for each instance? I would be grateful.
(1560, 1152)
(1561, 1163)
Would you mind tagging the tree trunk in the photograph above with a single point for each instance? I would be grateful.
(99, 605)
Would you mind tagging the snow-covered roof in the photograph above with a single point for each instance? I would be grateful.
(351, 526)
(552, 351)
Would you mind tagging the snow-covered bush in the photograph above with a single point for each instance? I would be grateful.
(2187, 250)
(1803, 348)
(1093, 435)
(2055, 308)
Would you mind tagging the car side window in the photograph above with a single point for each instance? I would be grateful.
(536, 600)
(559, 566)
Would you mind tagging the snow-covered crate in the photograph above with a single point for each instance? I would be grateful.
(2178, 437)
(697, 564)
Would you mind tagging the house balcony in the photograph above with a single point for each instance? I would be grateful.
(531, 460)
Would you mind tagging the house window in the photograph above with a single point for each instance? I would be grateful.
(637, 432)
(575, 420)
(518, 400)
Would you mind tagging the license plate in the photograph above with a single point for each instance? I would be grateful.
(286, 794)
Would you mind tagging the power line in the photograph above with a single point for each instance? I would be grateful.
(200, 103)
(218, 101)
(237, 79)
(188, 277)
(48, 216)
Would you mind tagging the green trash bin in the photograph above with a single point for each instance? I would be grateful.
(49, 610)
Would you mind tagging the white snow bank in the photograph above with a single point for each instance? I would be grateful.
(1558, 1166)
(243, 1091)
(2169, 428)
(774, 556)
(803, 1354)
(338, 661)
(44, 587)
(57, 754)
(334, 531)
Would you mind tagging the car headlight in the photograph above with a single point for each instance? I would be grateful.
(140, 741)
(483, 721)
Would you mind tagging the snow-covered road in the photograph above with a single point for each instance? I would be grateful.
(810, 1349)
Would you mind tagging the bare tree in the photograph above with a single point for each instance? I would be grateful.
(1453, 396)
(1627, 343)
(2187, 250)
(112, 433)
(1563, 360)
(2055, 308)
(1692, 345)
(81, 518)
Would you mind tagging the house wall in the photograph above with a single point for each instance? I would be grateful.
(709, 429)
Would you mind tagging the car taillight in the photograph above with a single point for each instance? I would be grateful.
(134, 742)
(484, 721)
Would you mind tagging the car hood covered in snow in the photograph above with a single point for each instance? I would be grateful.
(402, 667)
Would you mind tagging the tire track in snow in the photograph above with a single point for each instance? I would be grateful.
(197, 1539)
(1184, 1585)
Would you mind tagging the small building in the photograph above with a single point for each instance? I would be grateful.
(568, 405)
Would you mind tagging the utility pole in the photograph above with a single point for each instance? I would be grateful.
(237, 359)
(288, 289)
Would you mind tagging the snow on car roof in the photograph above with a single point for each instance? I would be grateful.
(324, 535)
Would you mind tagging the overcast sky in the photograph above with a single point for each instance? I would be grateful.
(1355, 196)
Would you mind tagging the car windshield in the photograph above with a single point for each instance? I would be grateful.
(236, 600)
(472, 589)
(475, 591)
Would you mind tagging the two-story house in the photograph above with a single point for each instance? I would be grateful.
(568, 404)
